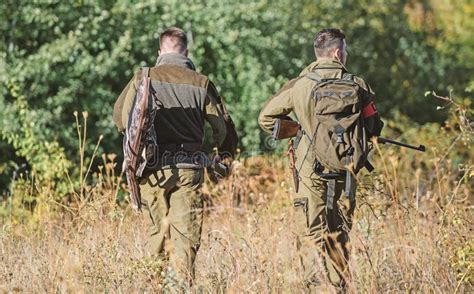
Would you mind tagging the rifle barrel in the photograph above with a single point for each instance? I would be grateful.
(382, 140)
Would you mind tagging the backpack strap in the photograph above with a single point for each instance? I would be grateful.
(331, 193)
(317, 78)
(145, 72)
(348, 76)
(368, 166)
(319, 81)
(350, 186)
(313, 76)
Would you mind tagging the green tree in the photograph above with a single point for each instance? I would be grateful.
(63, 56)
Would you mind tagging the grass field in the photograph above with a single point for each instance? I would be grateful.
(413, 229)
(412, 234)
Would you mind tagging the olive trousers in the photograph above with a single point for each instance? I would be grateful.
(324, 233)
(172, 207)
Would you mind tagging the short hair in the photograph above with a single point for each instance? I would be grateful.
(177, 36)
(327, 40)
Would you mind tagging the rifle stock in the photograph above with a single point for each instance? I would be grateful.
(284, 129)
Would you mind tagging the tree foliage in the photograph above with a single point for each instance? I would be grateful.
(57, 57)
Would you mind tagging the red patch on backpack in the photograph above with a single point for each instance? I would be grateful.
(369, 110)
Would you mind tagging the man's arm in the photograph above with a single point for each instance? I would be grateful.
(124, 102)
(229, 146)
(277, 107)
(215, 116)
(373, 122)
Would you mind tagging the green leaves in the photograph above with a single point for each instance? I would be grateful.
(77, 56)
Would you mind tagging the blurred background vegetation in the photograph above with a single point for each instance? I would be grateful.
(57, 57)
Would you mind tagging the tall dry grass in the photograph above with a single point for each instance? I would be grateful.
(413, 245)
(413, 233)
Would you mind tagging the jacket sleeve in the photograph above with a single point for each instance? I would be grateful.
(373, 122)
(215, 116)
(124, 104)
(278, 106)
(229, 145)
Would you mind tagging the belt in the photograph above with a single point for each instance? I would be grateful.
(178, 155)
(182, 147)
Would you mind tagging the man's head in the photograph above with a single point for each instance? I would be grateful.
(330, 43)
(173, 40)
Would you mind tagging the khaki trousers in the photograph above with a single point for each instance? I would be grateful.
(173, 205)
(326, 232)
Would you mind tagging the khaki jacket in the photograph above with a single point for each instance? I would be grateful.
(186, 100)
(296, 96)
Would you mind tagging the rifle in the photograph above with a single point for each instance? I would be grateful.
(284, 129)
(292, 164)
(287, 128)
(133, 142)
(383, 140)
(220, 169)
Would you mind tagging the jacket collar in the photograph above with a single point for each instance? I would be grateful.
(175, 59)
(328, 63)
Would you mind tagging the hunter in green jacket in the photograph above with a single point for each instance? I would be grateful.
(327, 228)
(171, 195)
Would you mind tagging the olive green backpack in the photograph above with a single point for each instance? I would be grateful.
(340, 141)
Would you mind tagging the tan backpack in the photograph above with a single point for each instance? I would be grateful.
(340, 140)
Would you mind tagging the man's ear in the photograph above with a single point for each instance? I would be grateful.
(337, 54)
(159, 52)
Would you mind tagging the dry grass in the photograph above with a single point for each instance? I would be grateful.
(411, 241)
(413, 229)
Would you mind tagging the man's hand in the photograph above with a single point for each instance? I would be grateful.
(220, 168)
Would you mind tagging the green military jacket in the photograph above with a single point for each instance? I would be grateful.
(186, 100)
(296, 96)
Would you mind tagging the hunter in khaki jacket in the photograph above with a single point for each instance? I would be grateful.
(326, 228)
(296, 97)
(171, 195)
(187, 99)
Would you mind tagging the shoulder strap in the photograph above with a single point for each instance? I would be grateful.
(317, 78)
(313, 76)
(348, 76)
(145, 72)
